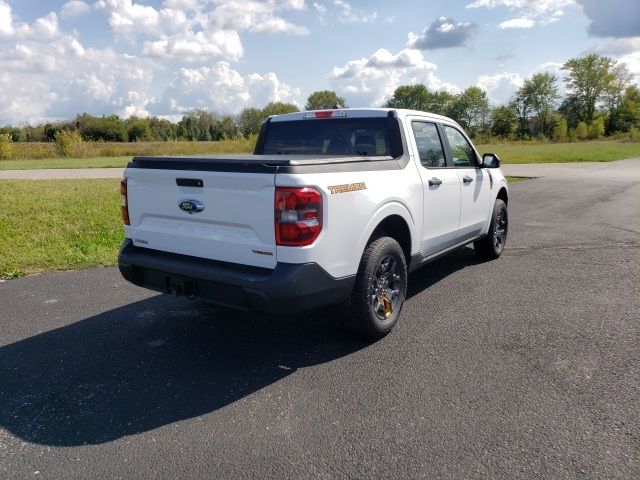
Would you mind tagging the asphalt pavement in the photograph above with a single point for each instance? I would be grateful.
(524, 367)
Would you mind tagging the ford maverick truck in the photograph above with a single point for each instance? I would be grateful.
(333, 207)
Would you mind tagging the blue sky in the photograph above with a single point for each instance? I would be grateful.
(161, 57)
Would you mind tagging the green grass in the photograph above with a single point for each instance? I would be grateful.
(58, 225)
(516, 179)
(98, 162)
(605, 151)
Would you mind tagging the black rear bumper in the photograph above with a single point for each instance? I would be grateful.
(289, 288)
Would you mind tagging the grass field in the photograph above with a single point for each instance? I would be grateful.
(605, 151)
(60, 225)
(99, 162)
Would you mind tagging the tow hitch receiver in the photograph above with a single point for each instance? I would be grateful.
(181, 287)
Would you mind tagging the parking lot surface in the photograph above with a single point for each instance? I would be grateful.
(528, 366)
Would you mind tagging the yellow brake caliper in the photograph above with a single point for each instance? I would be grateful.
(387, 306)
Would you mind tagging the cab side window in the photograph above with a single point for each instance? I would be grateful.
(429, 144)
(461, 150)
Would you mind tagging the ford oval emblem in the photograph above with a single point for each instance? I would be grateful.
(191, 206)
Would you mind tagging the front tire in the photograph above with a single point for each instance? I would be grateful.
(491, 246)
(379, 291)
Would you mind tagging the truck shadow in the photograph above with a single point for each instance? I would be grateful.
(162, 360)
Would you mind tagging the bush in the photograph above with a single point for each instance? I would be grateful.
(581, 131)
(596, 129)
(68, 142)
(561, 132)
(6, 146)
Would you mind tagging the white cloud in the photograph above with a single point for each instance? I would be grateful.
(371, 81)
(501, 86)
(197, 31)
(191, 47)
(129, 19)
(517, 23)
(44, 27)
(74, 8)
(533, 11)
(341, 11)
(222, 89)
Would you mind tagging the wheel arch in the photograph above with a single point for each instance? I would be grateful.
(393, 221)
(503, 194)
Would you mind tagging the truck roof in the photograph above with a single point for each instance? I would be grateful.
(358, 113)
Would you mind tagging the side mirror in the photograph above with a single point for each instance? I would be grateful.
(490, 160)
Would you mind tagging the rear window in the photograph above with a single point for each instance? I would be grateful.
(368, 137)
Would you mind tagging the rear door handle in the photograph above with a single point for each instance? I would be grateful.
(434, 182)
(467, 179)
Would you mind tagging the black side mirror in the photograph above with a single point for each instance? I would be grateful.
(490, 160)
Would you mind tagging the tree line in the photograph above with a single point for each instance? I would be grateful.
(600, 100)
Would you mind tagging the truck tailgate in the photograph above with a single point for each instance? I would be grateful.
(236, 224)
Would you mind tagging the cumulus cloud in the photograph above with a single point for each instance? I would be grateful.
(501, 86)
(612, 18)
(192, 30)
(74, 8)
(442, 33)
(59, 78)
(529, 12)
(343, 12)
(517, 23)
(11, 29)
(223, 89)
(371, 81)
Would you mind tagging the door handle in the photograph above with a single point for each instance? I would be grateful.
(434, 182)
(467, 179)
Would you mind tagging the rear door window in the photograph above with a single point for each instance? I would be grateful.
(429, 144)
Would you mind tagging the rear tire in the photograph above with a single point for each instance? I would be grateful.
(379, 291)
(491, 246)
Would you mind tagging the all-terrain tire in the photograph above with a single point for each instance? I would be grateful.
(491, 246)
(363, 313)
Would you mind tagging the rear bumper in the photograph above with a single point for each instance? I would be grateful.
(289, 288)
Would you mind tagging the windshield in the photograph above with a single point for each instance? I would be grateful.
(337, 136)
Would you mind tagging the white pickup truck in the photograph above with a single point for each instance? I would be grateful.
(333, 207)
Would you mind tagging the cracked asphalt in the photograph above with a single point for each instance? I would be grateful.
(524, 367)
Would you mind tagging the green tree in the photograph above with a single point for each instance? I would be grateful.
(138, 129)
(250, 121)
(412, 97)
(504, 121)
(588, 80)
(324, 100)
(471, 110)
(542, 92)
(279, 108)
(162, 129)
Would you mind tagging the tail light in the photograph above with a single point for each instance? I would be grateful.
(298, 216)
(124, 207)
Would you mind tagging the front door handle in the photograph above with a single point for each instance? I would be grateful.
(467, 179)
(434, 182)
